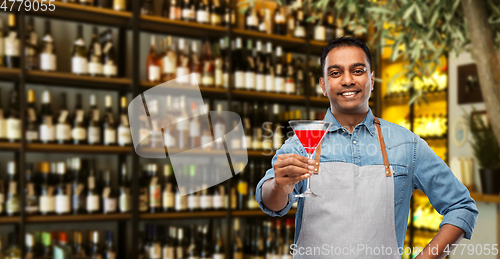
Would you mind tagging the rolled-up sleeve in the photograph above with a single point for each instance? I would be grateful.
(292, 145)
(446, 193)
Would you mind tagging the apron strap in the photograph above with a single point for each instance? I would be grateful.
(380, 142)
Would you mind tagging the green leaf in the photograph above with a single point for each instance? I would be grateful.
(420, 19)
(409, 11)
(379, 10)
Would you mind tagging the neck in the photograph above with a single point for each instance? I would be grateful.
(349, 120)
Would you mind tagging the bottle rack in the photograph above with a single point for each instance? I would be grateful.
(136, 23)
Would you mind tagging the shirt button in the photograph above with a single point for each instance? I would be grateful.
(354, 142)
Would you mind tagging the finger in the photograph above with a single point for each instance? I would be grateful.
(293, 171)
(303, 159)
(292, 180)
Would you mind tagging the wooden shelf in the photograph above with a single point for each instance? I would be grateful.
(9, 73)
(8, 146)
(9, 220)
(184, 215)
(479, 197)
(212, 152)
(220, 93)
(257, 213)
(180, 28)
(88, 14)
(261, 153)
(265, 96)
(68, 79)
(319, 101)
(288, 43)
(73, 218)
(94, 149)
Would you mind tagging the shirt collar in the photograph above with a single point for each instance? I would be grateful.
(367, 121)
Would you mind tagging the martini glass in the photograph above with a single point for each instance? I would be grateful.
(310, 134)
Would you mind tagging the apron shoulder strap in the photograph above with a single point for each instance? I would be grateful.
(381, 143)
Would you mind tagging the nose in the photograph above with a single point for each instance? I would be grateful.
(347, 79)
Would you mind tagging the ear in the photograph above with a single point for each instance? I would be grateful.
(322, 85)
(372, 78)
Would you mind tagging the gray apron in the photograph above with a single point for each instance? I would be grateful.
(353, 217)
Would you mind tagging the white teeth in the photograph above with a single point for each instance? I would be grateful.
(348, 93)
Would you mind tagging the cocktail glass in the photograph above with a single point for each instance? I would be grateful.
(310, 134)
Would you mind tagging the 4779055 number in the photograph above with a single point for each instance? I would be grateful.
(29, 5)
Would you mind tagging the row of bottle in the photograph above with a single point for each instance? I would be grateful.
(117, 5)
(434, 125)
(65, 128)
(98, 60)
(436, 83)
(62, 245)
(261, 239)
(252, 68)
(76, 187)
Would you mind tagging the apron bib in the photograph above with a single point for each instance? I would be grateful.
(353, 217)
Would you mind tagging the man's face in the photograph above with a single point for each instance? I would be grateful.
(347, 79)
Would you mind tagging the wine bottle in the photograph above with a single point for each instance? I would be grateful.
(63, 128)
(279, 21)
(124, 137)
(78, 250)
(269, 68)
(78, 186)
(205, 250)
(250, 67)
(154, 245)
(251, 202)
(269, 245)
(46, 199)
(31, 47)
(242, 188)
(194, 127)
(86, 2)
(109, 59)
(183, 64)
(168, 249)
(94, 249)
(288, 242)
(216, 13)
(320, 28)
(207, 65)
(277, 128)
(290, 75)
(108, 123)
(109, 202)
(124, 198)
(260, 79)
(143, 189)
(300, 23)
(239, 65)
(203, 12)
(30, 246)
(219, 128)
(79, 63)
(47, 128)
(279, 79)
(13, 251)
(147, 7)
(252, 20)
(152, 63)
(180, 248)
(109, 247)
(32, 126)
(95, 55)
(227, 76)
(175, 9)
(193, 248)
(12, 202)
(154, 189)
(339, 32)
(330, 27)
(94, 125)
(180, 192)
(168, 189)
(79, 131)
(188, 10)
(169, 61)
(257, 122)
(265, 19)
(63, 191)
(219, 194)
(206, 197)
(92, 199)
(237, 243)
(3, 121)
(291, 12)
(196, 65)
(247, 126)
(218, 66)
(11, 43)
(183, 131)
(2, 45)
(278, 239)
(193, 199)
(30, 192)
(299, 80)
(229, 14)
(206, 128)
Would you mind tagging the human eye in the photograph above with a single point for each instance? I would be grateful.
(334, 73)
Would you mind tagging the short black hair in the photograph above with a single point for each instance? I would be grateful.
(344, 42)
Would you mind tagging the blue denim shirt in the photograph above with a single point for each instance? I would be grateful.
(414, 163)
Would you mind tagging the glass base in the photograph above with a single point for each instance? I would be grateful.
(307, 193)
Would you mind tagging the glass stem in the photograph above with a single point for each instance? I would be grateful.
(310, 156)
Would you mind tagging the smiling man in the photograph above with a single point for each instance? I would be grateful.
(364, 172)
